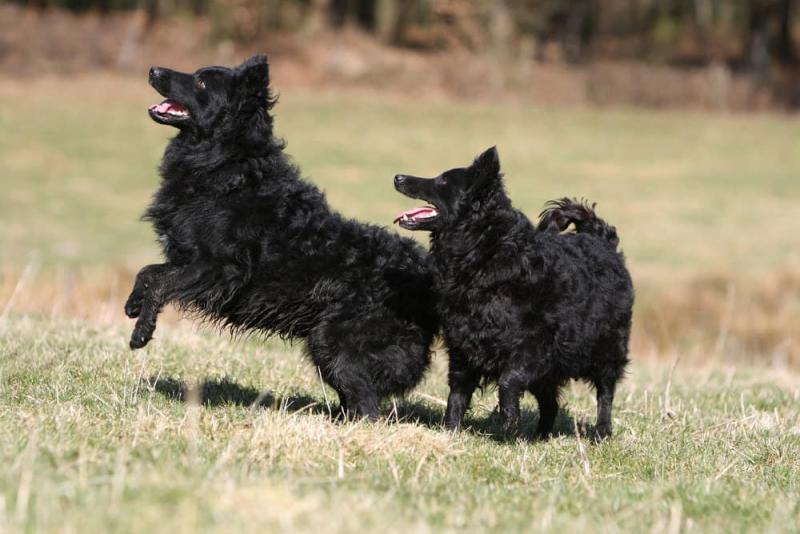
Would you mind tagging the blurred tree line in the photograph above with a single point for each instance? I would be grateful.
(752, 32)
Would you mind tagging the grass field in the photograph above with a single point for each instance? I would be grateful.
(96, 439)
(685, 190)
(202, 432)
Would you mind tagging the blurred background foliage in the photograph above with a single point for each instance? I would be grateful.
(745, 32)
(713, 54)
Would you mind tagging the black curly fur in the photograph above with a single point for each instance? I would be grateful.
(251, 246)
(526, 307)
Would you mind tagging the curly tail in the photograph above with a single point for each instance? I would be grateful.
(558, 214)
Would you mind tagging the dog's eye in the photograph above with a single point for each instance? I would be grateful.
(200, 83)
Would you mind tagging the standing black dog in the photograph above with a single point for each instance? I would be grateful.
(529, 308)
(251, 245)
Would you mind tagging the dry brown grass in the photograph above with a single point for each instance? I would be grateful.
(717, 316)
(723, 317)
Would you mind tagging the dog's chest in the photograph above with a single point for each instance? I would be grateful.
(178, 223)
(478, 324)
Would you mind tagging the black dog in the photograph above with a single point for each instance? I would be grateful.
(528, 308)
(250, 245)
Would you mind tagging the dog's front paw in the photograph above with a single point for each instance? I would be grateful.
(138, 341)
(133, 307)
(142, 334)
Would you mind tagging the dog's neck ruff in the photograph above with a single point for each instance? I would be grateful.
(461, 246)
(196, 158)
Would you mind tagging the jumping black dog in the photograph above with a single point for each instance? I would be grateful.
(526, 307)
(252, 246)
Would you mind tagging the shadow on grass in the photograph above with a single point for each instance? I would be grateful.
(222, 392)
(491, 426)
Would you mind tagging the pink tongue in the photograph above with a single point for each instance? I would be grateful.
(166, 106)
(414, 212)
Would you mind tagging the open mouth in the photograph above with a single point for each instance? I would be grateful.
(169, 111)
(413, 218)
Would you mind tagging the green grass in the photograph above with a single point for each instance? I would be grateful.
(685, 190)
(89, 443)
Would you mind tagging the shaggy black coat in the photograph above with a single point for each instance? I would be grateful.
(528, 308)
(250, 245)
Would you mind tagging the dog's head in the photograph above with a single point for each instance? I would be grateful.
(212, 98)
(452, 195)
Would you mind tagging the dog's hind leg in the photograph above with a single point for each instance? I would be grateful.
(368, 355)
(346, 375)
(364, 405)
(357, 396)
(358, 405)
(342, 403)
(546, 393)
(605, 397)
(612, 357)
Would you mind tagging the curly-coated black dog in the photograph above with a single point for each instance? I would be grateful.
(526, 307)
(252, 246)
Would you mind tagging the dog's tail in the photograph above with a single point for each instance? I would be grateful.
(559, 214)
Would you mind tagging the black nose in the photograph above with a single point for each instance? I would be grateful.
(399, 179)
(155, 72)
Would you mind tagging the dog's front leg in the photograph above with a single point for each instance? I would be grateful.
(510, 387)
(463, 382)
(173, 282)
(147, 277)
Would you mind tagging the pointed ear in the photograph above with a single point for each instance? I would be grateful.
(254, 74)
(488, 163)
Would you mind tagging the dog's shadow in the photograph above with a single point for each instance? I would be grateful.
(491, 426)
(221, 392)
